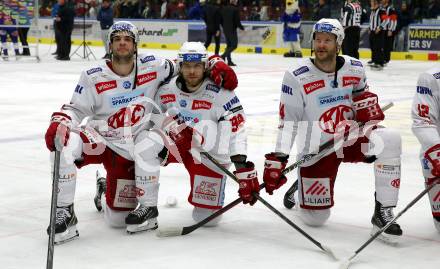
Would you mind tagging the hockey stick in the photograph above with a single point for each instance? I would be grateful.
(53, 208)
(326, 249)
(321, 151)
(347, 262)
(176, 231)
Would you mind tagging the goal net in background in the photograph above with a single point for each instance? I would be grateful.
(16, 18)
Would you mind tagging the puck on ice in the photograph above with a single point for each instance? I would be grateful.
(171, 201)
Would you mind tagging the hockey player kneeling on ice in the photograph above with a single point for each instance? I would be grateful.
(117, 99)
(426, 126)
(320, 97)
(202, 117)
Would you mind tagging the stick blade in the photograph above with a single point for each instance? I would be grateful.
(169, 231)
(329, 252)
(345, 264)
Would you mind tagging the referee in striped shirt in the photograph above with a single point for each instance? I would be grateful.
(378, 24)
(391, 16)
(351, 21)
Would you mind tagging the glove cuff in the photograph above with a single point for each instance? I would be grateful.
(61, 118)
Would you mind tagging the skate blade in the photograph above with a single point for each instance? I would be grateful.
(98, 204)
(69, 235)
(148, 225)
(386, 238)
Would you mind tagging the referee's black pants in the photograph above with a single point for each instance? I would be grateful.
(388, 48)
(350, 45)
(377, 47)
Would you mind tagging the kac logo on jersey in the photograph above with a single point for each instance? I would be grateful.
(313, 86)
(330, 119)
(126, 116)
(147, 59)
(286, 89)
(126, 84)
(356, 63)
(78, 89)
(183, 103)
(301, 70)
(94, 70)
(424, 90)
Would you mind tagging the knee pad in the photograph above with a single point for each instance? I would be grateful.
(385, 143)
(434, 200)
(147, 167)
(314, 218)
(199, 214)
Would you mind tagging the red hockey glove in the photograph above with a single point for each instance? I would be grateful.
(222, 75)
(433, 156)
(59, 128)
(273, 166)
(247, 177)
(367, 107)
(182, 134)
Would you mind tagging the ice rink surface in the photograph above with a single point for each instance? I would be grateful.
(247, 237)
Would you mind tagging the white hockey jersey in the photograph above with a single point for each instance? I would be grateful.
(312, 105)
(110, 102)
(213, 111)
(426, 108)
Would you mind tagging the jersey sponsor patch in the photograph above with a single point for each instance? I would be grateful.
(330, 119)
(126, 193)
(78, 89)
(126, 116)
(356, 63)
(201, 104)
(120, 100)
(230, 103)
(94, 70)
(105, 86)
(424, 90)
(301, 70)
(346, 81)
(206, 190)
(331, 99)
(313, 86)
(213, 87)
(286, 89)
(147, 59)
(189, 117)
(167, 98)
(145, 78)
(437, 75)
(316, 192)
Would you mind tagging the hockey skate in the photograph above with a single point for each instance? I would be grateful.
(143, 218)
(65, 225)
(289, 197)
(289, 54)
(101, 186)
(382, 216)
